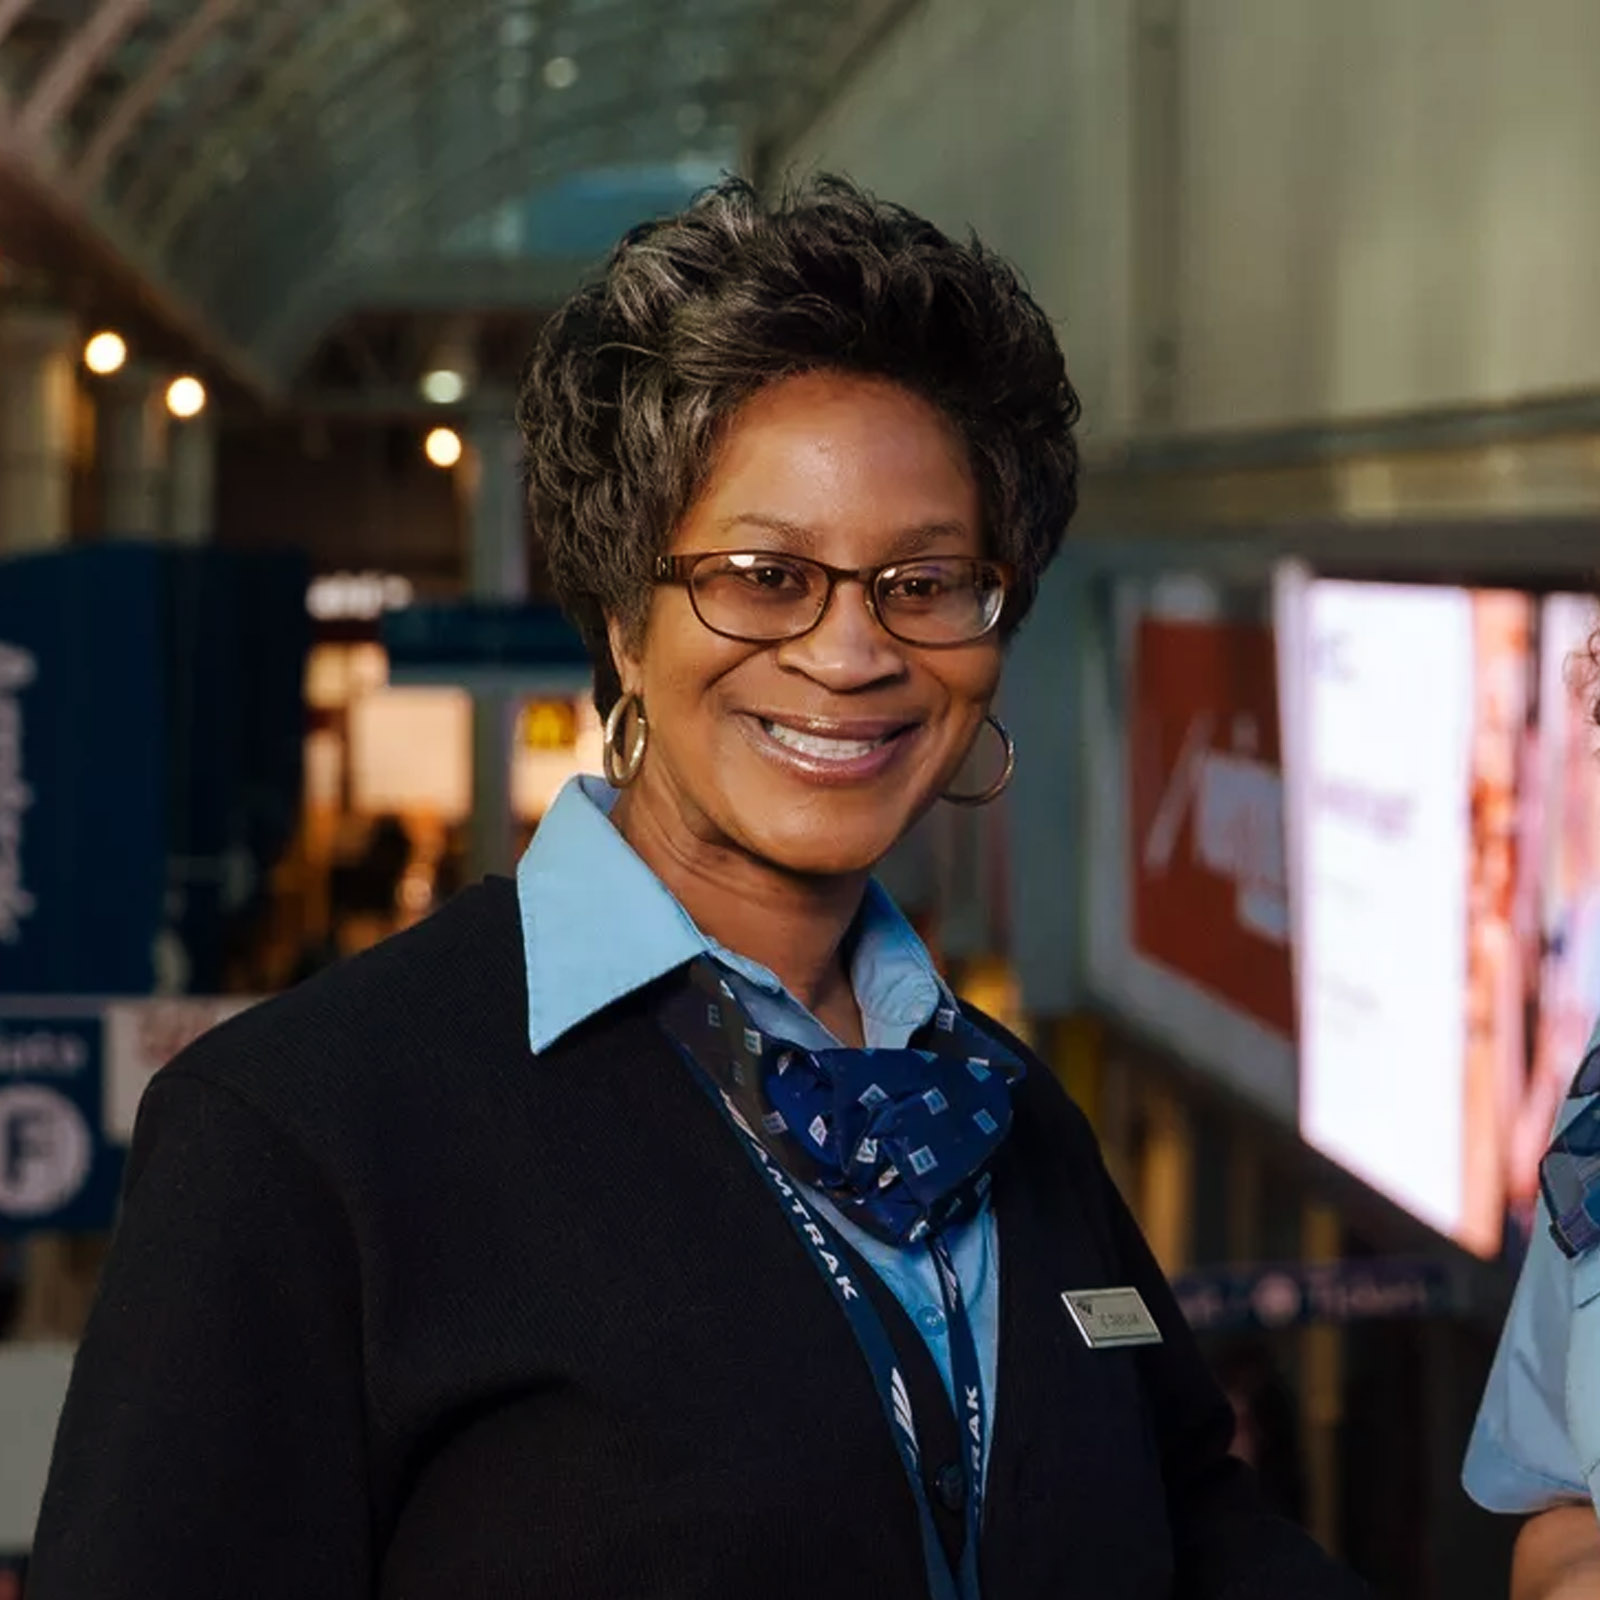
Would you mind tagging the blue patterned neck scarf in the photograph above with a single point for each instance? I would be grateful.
(1569, 1174)
(899, 1140)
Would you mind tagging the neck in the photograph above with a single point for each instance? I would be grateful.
(793, 925)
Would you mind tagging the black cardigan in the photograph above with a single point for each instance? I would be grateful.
(396, 1308)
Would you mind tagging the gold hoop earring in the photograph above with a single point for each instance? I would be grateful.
(983, 796)
(622, 770)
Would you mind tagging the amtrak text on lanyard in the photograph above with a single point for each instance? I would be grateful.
(875, 1345)
(885, 1101)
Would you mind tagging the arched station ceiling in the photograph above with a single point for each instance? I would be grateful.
(267, 167)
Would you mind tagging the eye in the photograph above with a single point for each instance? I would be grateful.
(925, 583)
(772, 577)
(767, 575)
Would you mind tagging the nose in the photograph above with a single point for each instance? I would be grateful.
(848, 649)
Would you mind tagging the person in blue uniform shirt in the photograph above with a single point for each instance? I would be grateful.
(1535, 1449)
(659, 1224)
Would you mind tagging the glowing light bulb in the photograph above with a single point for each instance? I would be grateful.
(443, 447)
(186, 397)
(105, 353)
(443, 386)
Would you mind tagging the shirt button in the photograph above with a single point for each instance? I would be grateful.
(950, 1486)
(931, 1320)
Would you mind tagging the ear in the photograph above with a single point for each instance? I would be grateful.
(624, 654)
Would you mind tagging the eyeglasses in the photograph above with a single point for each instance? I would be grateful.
(765, 597)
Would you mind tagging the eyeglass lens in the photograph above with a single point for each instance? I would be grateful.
(759, 596)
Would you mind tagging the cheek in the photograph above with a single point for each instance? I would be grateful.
(970, 682)
(682, 668)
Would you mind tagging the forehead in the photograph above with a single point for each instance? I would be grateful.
(836, 460)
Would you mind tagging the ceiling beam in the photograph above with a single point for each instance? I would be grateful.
(136, 101)
(379, 100)
(460, 183)
(376, 97)
(384, 109)
(236, 138)
(382, 163)
(79, 246)
(270, 253)
(381, 155)
(73, 65)
(154, 155)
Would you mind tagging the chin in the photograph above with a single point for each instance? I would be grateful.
(821, 851)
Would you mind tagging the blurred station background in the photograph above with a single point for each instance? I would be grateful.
(1296, 886)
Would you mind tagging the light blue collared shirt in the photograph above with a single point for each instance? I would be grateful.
(1536, 1443)
(597, 924)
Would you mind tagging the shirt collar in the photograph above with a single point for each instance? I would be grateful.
(597, 924)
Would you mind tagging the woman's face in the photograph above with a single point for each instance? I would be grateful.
(816, 754)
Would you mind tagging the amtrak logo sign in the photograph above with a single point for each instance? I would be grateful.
(46, 1150)
(58, 1170)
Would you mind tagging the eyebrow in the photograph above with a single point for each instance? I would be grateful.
(796, 536)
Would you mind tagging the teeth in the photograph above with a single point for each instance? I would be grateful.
(816, 745)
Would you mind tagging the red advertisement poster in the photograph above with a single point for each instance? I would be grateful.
(1209, 869)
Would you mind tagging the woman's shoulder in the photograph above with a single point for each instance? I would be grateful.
(425, 1004)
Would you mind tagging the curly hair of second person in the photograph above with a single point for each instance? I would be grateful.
(624, 398)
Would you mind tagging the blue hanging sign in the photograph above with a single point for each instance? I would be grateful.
(84, 740)
(490, 646)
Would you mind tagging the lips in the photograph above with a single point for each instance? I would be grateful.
(822, 747)
(824, 750)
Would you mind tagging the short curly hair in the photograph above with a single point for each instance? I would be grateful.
(625, 397)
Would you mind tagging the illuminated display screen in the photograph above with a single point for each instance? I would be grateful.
(1444, 825)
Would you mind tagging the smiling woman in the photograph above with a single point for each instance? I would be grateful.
(792, 721)
(659, 1224)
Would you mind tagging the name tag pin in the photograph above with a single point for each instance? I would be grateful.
(1111, 1319)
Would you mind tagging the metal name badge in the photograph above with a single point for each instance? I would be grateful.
(1111, 1319)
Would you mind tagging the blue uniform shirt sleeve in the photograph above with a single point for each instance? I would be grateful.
(1521, 1458)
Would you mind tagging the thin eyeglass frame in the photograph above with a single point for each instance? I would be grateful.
(679, 569)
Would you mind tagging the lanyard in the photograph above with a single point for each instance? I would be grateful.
(967, 1378)
(828, 1255)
